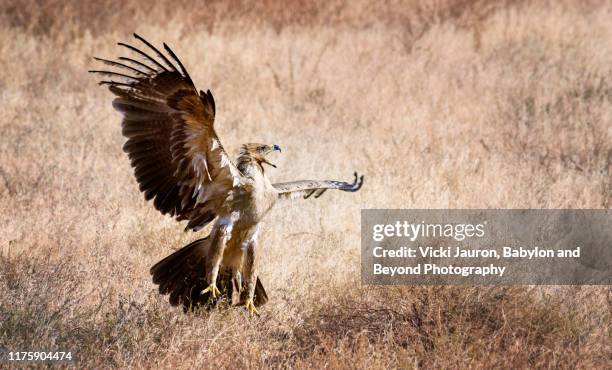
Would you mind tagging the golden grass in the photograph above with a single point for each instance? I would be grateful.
(442, 104)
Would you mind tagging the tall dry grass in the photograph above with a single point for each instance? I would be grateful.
(442, 104)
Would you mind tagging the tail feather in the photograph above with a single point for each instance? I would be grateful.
(187, 268)
(260, 294)
(163, 269)
(175, 295)
(240, 299)
(182, 275)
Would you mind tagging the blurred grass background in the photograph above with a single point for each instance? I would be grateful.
(442, 104)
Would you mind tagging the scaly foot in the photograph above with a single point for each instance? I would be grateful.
(250, 306)
(212, 288)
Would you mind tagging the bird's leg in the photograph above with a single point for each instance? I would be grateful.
(250, 276)
(213, 260)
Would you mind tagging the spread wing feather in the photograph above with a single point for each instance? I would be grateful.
(178, 160)
(308, 188)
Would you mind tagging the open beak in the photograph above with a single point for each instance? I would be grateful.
(268, 163)
(273, 148)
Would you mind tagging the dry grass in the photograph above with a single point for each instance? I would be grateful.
(442, 104)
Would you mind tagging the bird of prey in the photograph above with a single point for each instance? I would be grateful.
(181, 165)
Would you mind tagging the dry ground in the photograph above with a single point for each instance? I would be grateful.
(442, 104)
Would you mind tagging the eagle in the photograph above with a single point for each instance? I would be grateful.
(182, 167)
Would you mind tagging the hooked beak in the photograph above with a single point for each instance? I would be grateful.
(273, 148)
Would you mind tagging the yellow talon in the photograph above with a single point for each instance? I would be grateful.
(212, 288)
(250, 306)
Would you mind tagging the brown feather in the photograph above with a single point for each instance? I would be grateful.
(169, 126)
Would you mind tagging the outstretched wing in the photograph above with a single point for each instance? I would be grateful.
(177, 157)
(308, 188)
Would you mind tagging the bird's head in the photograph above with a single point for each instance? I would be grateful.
(259, 152)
